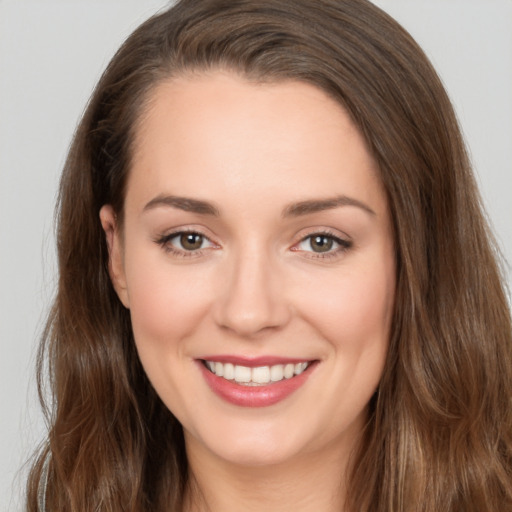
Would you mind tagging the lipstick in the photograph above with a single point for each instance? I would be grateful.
(254, 382)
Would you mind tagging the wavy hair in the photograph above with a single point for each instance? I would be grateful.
(439, 436)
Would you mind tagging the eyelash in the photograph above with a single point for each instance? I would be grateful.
(342, 244)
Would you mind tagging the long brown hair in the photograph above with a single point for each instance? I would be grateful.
(439, 436)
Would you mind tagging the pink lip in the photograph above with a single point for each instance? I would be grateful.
(253, 396)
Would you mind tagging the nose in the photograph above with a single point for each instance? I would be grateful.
(251, 298)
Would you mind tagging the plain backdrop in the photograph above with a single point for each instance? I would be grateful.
(51, 55)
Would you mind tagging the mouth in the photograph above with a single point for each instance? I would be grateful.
(257, 382)
(257, 375)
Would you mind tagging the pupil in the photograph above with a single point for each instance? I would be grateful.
(321, 243)
(191, 241)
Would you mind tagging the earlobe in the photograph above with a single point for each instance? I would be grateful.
(108, 220)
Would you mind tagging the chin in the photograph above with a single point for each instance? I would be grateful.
(249, 445)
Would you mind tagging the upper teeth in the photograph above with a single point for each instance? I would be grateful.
(258, 375)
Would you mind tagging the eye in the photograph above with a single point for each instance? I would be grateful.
(189, 241)
(185, 242)
(318, 243)
(323, 244)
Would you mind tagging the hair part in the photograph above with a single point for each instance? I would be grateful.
(440, 425)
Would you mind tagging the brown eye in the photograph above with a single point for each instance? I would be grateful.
(321, 243)
(191, 241)
(185, 243)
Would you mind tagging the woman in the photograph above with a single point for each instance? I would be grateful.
(277, 288)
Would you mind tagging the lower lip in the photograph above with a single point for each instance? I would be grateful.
(254, 396)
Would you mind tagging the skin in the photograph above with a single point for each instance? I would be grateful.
(257, 286)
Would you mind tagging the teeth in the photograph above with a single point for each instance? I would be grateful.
(242, 374)
(288, 371)
(276, 373)
(260, 375)
(300, 367)
(218, 369)
(228, 372)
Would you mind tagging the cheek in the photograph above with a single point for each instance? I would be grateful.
(353, 309)
(166, 302)
(354, 317)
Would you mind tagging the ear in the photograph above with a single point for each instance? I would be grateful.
(108, 220)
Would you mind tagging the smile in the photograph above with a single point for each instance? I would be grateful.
(256, 376)
(259, 382)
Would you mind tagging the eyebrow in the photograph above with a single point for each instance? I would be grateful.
(186, 204)
(318, 205)
(298, 209)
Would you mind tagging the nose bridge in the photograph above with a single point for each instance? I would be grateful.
(252, 299)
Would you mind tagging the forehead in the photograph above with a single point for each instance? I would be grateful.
(201, 130)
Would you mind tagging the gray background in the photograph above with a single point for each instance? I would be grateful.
(51, 55)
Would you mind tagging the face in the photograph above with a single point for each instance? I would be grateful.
(257, 262)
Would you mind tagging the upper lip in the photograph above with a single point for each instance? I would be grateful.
(253, 362)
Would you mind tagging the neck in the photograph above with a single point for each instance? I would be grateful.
(310, 482)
